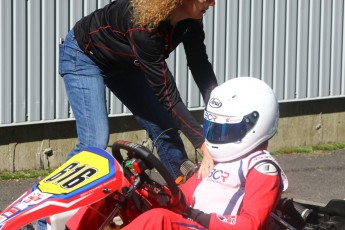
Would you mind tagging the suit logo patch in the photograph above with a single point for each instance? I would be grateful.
(227, 219)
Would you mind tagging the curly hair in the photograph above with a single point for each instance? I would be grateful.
(149, 13)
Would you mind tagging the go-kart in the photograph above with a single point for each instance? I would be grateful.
(133, 180)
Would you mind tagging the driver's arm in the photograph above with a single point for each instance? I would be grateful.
(261, 194)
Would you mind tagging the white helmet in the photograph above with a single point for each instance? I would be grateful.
(241, 114)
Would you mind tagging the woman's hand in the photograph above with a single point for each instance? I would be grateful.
(206, 163)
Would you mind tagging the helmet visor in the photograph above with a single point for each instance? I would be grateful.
(227, 129)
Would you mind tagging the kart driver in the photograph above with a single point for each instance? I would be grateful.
(246, 181)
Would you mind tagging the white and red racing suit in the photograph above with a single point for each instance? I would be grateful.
(236, 195)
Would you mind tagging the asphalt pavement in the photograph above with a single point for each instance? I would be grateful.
(313, 178)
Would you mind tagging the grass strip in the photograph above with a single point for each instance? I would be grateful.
(310, 149)
(25, 174)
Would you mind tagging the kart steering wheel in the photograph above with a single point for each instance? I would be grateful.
(151, 162)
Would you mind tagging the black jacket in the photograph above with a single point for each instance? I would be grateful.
(110, 39)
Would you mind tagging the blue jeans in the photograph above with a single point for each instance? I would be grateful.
(85, 86)
(41, 224)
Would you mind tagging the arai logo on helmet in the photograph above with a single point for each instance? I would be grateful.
(215, 103)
